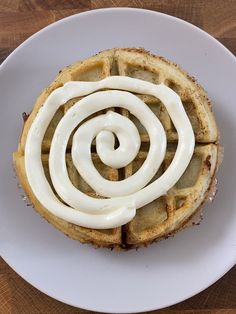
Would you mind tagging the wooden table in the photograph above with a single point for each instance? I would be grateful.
(21, 18)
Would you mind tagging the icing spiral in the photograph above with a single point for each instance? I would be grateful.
(122, 197)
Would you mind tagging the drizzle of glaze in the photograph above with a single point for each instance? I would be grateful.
(123, 197)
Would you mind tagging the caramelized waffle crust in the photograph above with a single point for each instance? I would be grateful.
(167, 214)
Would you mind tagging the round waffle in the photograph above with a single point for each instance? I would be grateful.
(167, 214)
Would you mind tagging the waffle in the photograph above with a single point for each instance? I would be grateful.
(167, 214)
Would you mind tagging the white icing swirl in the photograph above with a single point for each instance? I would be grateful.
(125, 196)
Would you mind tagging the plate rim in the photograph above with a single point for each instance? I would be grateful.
(95, 11)
(91, 12)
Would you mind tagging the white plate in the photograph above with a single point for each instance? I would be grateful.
(164, 273)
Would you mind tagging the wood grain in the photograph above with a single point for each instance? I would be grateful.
(21, 18)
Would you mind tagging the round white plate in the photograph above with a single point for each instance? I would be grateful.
(102, 280)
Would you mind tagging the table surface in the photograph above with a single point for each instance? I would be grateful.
(214, 16)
